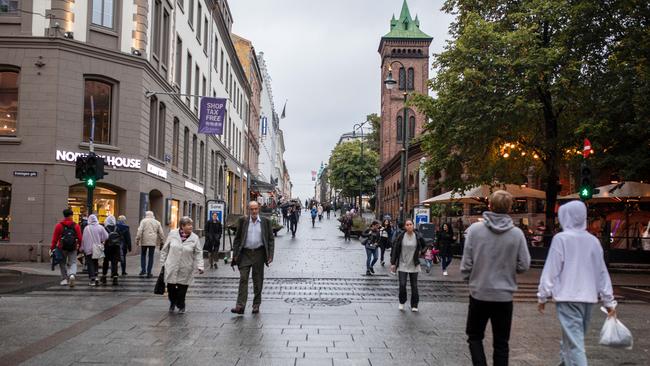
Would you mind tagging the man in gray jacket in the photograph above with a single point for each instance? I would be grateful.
(495, 250)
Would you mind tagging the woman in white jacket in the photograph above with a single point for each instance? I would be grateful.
(181, 255)
(575, 276)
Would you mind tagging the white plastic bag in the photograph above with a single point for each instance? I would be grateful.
(615, 334)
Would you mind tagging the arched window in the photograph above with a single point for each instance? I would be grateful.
(399, 129)
(411, 127)
(162, 128)
(175, 142)
(409, 79)
(102, 98)
(402, 78)
(153, 123)
(8, 102)
(186, 151)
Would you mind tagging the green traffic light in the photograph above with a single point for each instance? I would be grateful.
(90, 182)
(585, 193)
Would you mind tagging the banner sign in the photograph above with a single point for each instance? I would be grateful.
(421, 215)
(218, 207)
(212, 111)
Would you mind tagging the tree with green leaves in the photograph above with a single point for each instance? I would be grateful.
(522, 83)
(350, 172)
(373, 137)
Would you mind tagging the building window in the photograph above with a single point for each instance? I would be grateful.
(409, 79)
(212, 169)
(153, 123)
(162, 128)
(399, 129)
(155, 47)
(204, 87)
(179, 60)
(5, 210)
(188, 78)
(198, 23)
(194, 141)
(402, 79)
(202, 162)
(181, 4)
(221, 68)
(175, 141)
(411, 127)
(10, 8)
(164, 57)
(190, 13)
(186, 150)
(196, 87)
(216, 52)
(102, 98)
(205, 35)
(8, 103)
(103, 13)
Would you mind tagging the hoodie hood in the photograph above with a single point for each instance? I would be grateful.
(92, 220)
(149, 215)
(110, 220)
(496, 222)
(573, 216)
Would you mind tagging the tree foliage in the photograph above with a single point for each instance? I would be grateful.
(351, 173)
(522, 83)
(373, 137)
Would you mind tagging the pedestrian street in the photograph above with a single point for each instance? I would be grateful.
(319, 308)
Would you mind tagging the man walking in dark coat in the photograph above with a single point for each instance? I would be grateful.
(252, 249)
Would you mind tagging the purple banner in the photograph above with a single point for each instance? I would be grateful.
(211, 115)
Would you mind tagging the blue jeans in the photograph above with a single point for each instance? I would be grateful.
(372, 255)
(143, 255)
(445, 260)
(574, 319)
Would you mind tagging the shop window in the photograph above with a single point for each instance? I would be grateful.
(5, 210)
(8, 102)
(105, 201)
(99, 93)
(102, 13)
(173, 213)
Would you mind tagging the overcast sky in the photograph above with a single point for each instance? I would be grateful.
(322, 57)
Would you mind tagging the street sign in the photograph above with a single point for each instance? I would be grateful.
(212, 112)
(25, 173)
(421, 215)
(216, 206)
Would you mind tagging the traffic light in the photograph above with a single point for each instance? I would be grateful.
(80, 167)
(586, 190)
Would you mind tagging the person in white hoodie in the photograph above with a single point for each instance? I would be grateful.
(575, 276)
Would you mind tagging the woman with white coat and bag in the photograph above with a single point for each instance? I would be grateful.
(181, 255)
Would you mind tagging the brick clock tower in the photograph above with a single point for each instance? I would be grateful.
(405, 49)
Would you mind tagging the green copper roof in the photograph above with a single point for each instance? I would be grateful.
(405, 26)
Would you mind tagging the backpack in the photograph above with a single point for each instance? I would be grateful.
(114, 238)
(69, 238)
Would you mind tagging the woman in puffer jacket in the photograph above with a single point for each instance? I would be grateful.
(92, 245)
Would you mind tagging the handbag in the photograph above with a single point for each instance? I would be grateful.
(159, 288)
(98, 251)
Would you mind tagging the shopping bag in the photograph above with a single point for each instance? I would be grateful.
(159, 289)
(615, 334)
(98, 251)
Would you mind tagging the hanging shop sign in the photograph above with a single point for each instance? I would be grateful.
(211, 116)
(111, 160)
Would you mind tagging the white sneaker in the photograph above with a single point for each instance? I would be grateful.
(71, 281)
(401, 306)
(415, 310)
(444, 273)
(64, 283)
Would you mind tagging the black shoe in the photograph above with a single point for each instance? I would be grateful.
(372, 270)
(115, 281)
(142, 274)
(181, 310)
(103, 280)
(171, 308)
(382, 263)
(368, 273)
(124, 274)
(149, 275)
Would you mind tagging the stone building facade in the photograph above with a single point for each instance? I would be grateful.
(404, 52)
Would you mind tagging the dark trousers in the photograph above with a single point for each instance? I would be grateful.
(293, 226)
(313, 221)
(146, 266)
(251, 260)
(123, 252)
(445, 260)
(176, 294)
(371, 257)
(112, 260)
(413, 278)
(500, 316)
(346, 232)
(92, 265)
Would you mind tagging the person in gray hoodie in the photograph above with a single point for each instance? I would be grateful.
(495, 251)
(575, 276)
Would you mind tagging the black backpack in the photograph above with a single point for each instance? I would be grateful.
(69, 238)
(114, 238)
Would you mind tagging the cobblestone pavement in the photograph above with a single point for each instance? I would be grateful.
(319, 309)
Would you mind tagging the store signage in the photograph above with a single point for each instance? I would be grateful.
(112, 161)
(156, 171)
(421, 215)
(25, 173)
(218, 207)
(193, 187)
(211, 117)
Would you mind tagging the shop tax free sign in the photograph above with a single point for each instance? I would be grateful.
(112, 161)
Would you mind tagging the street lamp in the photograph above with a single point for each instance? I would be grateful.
(390, 84)
(354, 130)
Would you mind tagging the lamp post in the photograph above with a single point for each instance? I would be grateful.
(390, 84)
(354, 129)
